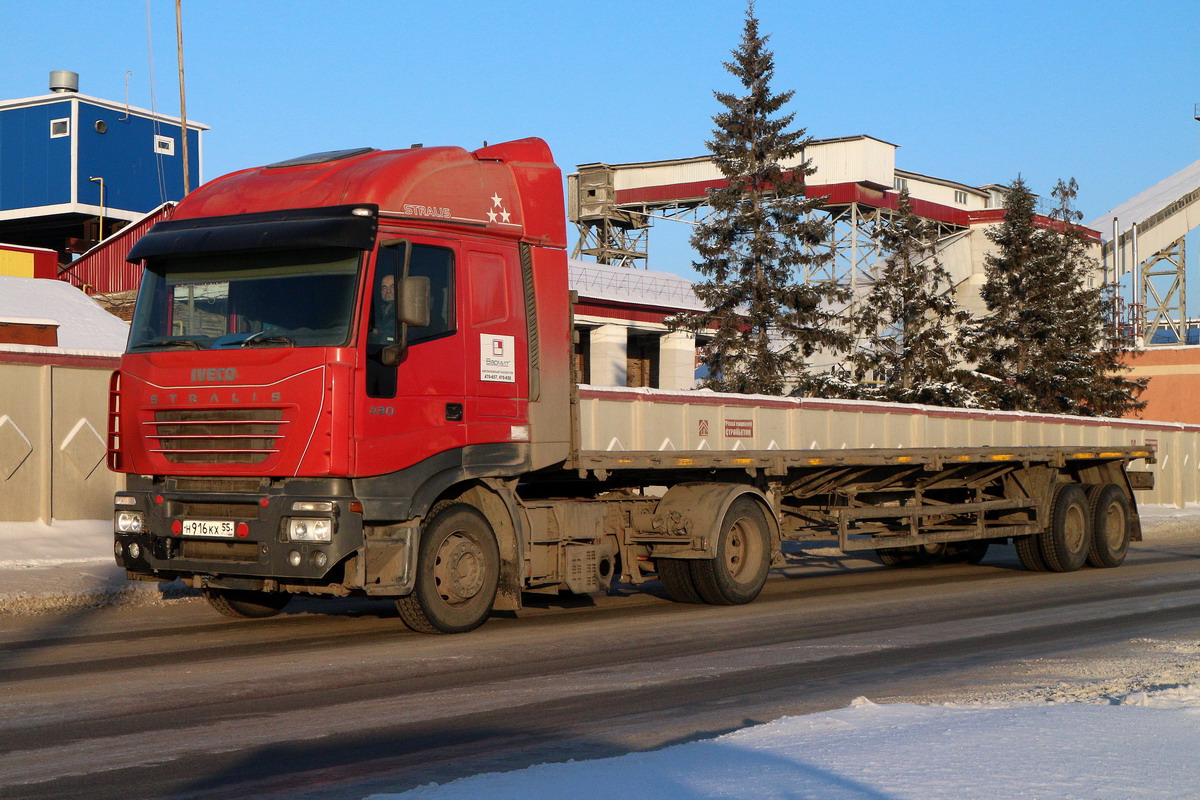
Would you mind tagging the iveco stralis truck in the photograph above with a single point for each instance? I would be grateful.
(352, 374)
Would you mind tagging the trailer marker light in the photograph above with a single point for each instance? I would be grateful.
(1083, 455)
(1111, 455)
(1005, 457)
(243, 530)
(684, 462)
(743, 461)
(814, 462)
(176, 527)
(903, 459)
(1140, 453)
(962, 458)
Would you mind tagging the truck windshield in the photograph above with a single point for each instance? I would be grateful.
(275, 298)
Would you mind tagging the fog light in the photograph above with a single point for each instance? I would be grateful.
(117, 551)
(310, 529)
(319, 559)
(294, 558)
(135, 550)
(130, 522)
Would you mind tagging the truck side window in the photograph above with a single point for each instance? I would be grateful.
(435, 263)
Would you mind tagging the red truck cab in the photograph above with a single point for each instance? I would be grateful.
(322, 346)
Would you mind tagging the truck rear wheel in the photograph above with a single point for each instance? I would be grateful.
(1029, 552)
(739, 570)
(1068, 539)
(458, 570)
(1111, 521)
(246, 604)
(676, 577)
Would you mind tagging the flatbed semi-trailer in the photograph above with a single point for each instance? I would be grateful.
(351, 374)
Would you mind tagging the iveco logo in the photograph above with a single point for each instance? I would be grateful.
(214, 374)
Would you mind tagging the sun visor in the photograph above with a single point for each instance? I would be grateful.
(351, 226)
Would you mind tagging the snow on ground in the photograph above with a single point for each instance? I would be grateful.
(1114, 728)
(1141, 746)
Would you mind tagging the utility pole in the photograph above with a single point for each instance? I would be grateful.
(187, 183)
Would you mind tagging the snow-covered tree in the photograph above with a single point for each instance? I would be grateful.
(764, 320)
(908, 324)
(1041, 346)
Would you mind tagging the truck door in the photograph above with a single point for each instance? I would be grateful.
(412, 409)
(497, 376)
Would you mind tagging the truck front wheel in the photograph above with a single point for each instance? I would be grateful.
(458, 569)
(738, 572)
(246, 603)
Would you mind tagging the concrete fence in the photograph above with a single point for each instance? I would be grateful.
(655, 419)
(53, 411)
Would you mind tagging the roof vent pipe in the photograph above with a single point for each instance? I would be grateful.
(62, 81)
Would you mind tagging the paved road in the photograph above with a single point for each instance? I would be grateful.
(338, 700)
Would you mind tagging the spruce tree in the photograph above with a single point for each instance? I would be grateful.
(764, 320)
(909, 322)
(1041, 346)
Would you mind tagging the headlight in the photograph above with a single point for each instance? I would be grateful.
(312, 529)
(130, 522)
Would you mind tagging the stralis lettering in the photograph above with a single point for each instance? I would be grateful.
(209, 396)
(213, 374)
(426, 211)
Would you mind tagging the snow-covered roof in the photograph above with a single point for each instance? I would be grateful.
(1149, 202)
(84, 328)
(634, 286)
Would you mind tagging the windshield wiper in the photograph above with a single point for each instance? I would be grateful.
(179, 340)
(256, 339)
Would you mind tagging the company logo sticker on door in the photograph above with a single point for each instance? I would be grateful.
(497, 358)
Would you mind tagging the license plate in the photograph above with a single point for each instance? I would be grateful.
(220, 529)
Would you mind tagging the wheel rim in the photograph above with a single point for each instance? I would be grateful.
(1075, 529)
(740, 545)
(458, 569)
(1114, 526)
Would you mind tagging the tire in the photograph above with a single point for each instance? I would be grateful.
(458, 570)
(246, 604)
(676, 577)
(737, 573)
(1029, 552)
(1112, 520)
(898, 556)
(971, 552)
(1068, 538)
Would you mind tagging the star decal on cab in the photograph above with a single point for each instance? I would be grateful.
(498, 212)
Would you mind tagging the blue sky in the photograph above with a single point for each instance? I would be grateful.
(975, 92)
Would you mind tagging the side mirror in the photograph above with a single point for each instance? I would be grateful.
(412, 310)
(412, 301)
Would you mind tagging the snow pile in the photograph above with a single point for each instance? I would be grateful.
(29, 545)
(1144, 747)
(84, 327)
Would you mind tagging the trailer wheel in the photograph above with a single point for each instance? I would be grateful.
(898, 556)
(1029, 552)
(1068, 539)
(246, 604)
(737, 573)
(458, 570)
(1111, 521)
(971, 552)
(676, 577)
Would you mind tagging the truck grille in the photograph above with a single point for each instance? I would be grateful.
(224, 436)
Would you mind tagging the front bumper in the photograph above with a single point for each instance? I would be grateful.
(258, 550)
